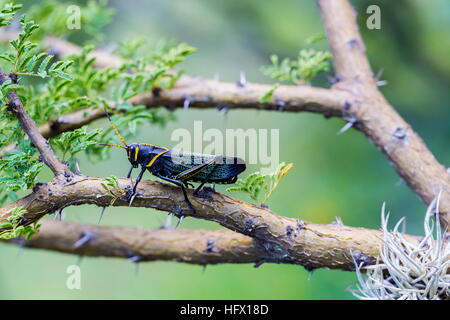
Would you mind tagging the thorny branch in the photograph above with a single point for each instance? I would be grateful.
(195, 92)
(373, 115)
(355, 97)
(194, 246)
(190, 246)
(202, 93)
(278, 239)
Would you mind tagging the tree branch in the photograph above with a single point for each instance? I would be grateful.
(283, 239)
(203, 93)
(29, 126)
(369, 111)
(348, 49)
(191, 246)
(195, 92)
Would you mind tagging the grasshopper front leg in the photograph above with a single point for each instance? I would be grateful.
(139, 178)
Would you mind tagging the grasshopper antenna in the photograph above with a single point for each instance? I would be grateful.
(112, 145)
(116, 131)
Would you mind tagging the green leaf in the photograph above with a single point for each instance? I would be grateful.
(309, 64)
(255, 183)
(13, 229)
(73, 142)
(8, 12)
(43, 66)
(267, 97)
(112, 188)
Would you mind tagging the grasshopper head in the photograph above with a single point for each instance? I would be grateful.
(133, 154)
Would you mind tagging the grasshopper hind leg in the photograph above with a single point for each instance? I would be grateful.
(207, 191)
(180, 184)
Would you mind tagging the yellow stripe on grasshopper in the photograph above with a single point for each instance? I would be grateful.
(155, 158)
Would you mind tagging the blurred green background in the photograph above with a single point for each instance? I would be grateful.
(334, 175)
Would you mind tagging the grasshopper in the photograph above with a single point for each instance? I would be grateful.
(179, 168)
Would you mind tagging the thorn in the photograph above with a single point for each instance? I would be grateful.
(353, 43)
(168, 224)
(58, 215)
(259, 263)
(179, 221)
(400, 133)
(136, 259)
(338, 221)
(38, 185)
(249, 227)
(350, 118)
(242, 80)
(101, 215)
(360, 258)
(289, 231)
(400, 182)
(222, 108)
(132, 198)
(378, 77)
(300, 224)
(379, 74)
(79, 260)
(77, 167)
(186, 103)
(85, 238)
(347, 106)
(334, 80)
(310, 273)
(20, 250)
(279, 104)
(210, 247)
(347, 126)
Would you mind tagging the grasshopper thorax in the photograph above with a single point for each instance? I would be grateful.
(138, 153)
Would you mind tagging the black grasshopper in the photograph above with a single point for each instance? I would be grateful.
(178, 167)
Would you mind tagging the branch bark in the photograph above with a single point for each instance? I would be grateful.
(190, 246)
(285, 240)
(203, 93)
(374, 116)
